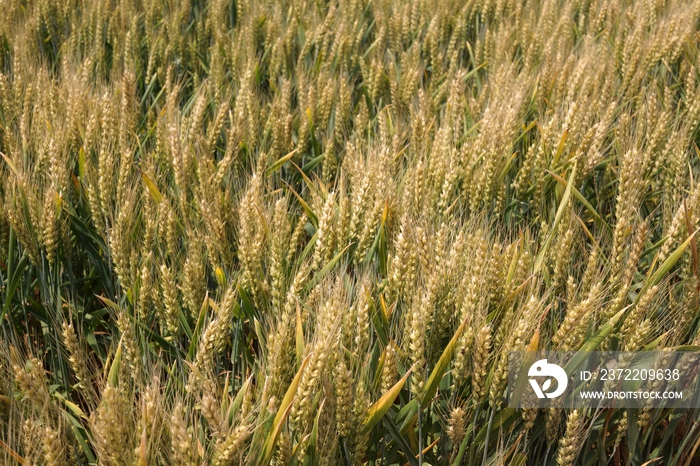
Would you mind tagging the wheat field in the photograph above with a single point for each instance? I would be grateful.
(294, 232)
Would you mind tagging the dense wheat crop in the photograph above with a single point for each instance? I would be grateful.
(310, 232)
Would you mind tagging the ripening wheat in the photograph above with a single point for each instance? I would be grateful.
(244, 232)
